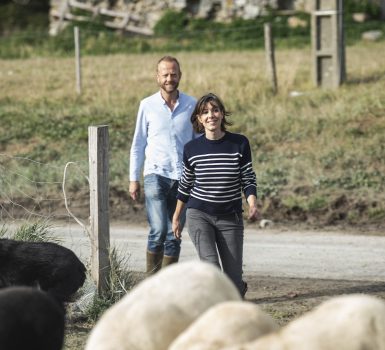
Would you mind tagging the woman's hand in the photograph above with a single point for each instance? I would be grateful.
(253, 210)
(253, 213)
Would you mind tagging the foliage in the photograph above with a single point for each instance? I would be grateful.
(171, 23)
(38, 231)
(15, 16)
(370, 7)
(175, 31)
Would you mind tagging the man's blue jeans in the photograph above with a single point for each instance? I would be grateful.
(160, 196)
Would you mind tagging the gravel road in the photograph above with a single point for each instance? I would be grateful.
(267, 252)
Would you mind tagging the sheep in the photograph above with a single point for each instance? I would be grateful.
(49, 266)
(30, 319)
(225, 324)
(158, 309)
(349, 322)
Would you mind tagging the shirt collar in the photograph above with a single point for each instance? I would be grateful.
(163, 100)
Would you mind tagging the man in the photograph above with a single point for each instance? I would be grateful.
(163, 127)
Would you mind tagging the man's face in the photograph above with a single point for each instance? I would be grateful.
(168, 76)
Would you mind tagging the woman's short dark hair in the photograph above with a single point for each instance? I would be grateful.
(215, 101)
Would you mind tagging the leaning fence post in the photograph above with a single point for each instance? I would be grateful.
(98, 146)
(270, 56)
(77, 61)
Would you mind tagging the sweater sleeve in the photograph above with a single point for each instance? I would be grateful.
(187, 179)
(248, 178)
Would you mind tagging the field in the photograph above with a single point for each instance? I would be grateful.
(318, 154)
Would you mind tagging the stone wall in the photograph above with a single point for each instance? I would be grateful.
(146, 13)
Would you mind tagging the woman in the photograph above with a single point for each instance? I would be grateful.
(217, 168)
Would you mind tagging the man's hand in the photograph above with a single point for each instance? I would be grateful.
(134, 190)
(176, 227)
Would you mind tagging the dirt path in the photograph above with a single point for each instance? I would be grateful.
(287, 298)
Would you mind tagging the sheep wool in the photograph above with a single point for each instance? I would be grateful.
(349, 322)
(158, 309)
(225, 324)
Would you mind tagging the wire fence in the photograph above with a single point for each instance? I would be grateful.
(99, 42)
(32, 190)
(238, 35)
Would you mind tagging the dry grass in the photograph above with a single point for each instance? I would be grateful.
(328, 140)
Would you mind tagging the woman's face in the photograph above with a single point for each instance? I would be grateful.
(211, 117)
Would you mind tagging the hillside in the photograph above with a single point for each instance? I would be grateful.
(318, 154)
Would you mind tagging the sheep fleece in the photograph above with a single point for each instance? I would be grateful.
(349, 322)
(157, 310)
(225, 324)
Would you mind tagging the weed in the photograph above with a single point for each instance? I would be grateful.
(120, 281)
(38, 231)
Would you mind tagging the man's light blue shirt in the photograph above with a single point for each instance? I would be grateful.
(160, 136)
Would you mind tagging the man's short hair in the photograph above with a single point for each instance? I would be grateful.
(168, 59)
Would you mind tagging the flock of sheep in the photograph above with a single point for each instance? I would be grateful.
(193, 306)
(186, 306)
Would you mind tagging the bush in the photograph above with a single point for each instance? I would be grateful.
(172, 22)
(370, 7)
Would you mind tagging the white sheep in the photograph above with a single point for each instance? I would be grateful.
(156, 311)
(225, 324)
(350, 322)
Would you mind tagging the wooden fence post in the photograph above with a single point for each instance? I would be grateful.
(98, 146)
(77, 61)
(270, 56)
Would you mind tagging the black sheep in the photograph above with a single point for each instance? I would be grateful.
(49, 266)
(30, 319)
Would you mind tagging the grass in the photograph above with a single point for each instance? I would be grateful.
(120, 281)
(308, 150)
(33, 231)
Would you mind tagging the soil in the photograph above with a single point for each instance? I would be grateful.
(342, 213)
(287, 298)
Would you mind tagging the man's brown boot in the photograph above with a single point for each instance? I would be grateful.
(154, 262)
(168, 260)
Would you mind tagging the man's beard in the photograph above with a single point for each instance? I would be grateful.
(170, 87)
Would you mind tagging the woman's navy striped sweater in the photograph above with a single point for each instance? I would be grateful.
(215, 173)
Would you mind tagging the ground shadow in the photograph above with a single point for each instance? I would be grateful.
(360, 287)
(365, 80)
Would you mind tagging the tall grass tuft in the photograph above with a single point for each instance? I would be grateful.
(38, 231)
(120, 282)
